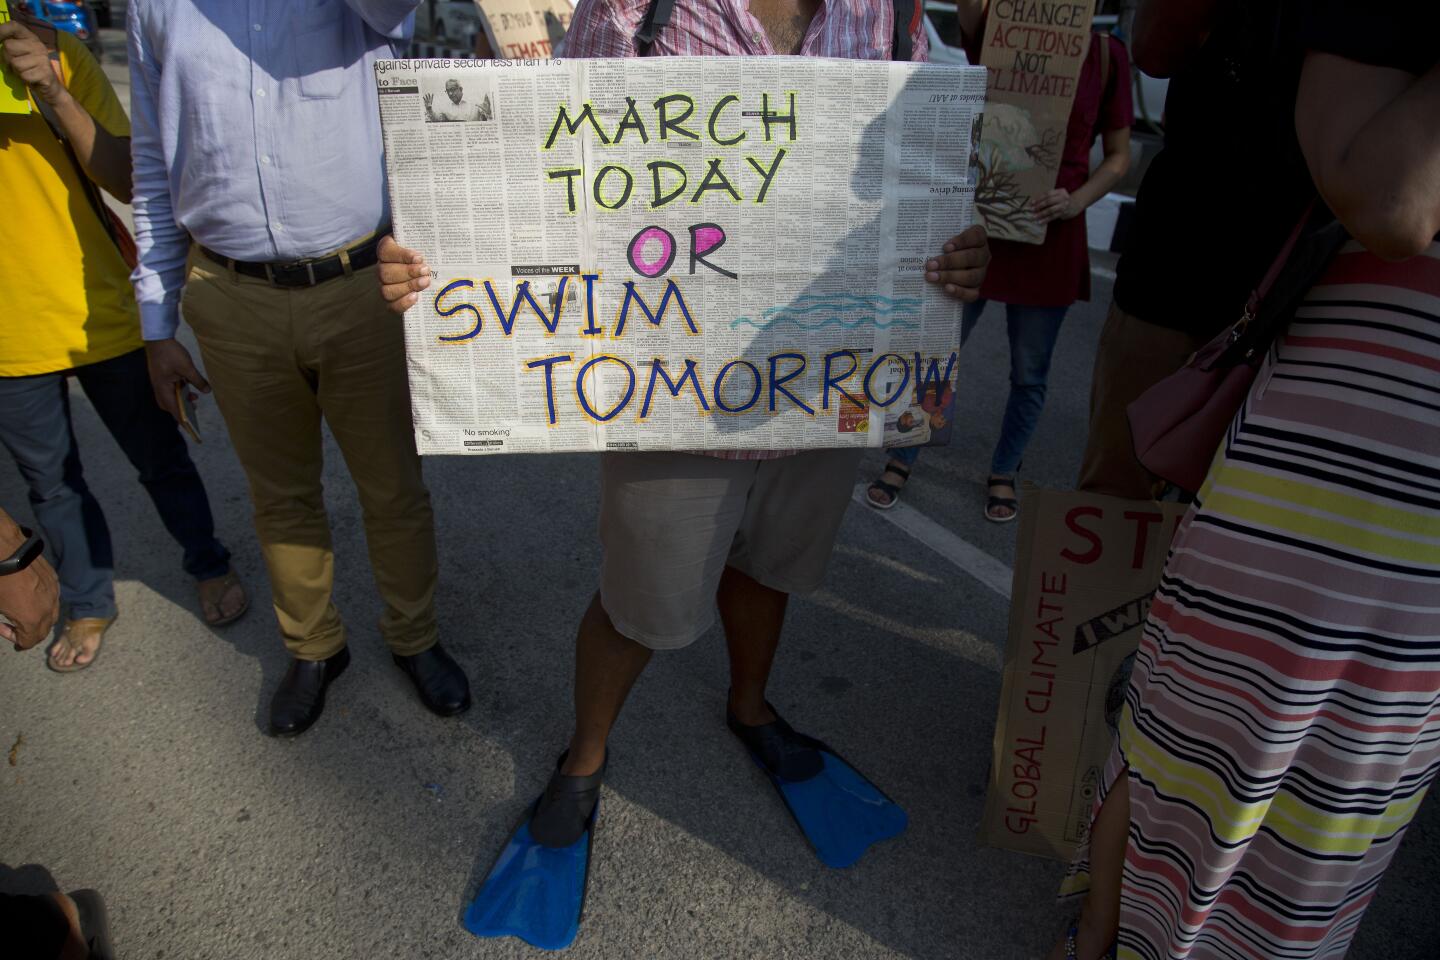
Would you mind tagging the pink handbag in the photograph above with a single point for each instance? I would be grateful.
(1180, 422)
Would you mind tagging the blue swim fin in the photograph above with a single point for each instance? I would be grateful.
(840, 812)
(535, 892)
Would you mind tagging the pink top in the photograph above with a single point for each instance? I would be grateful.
(849, 29)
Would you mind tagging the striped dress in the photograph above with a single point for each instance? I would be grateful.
(1283, 721)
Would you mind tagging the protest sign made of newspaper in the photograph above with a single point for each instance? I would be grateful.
(524, 29)
(1086, 567)
(678, 253)
(1032, 53)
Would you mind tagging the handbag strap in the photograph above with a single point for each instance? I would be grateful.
(1257, 296)
(907, 15)
(49, 37)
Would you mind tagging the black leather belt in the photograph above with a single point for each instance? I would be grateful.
(303, 273)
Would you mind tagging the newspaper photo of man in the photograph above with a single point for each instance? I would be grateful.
(454, 106)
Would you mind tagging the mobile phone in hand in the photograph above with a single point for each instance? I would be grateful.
(188, 420)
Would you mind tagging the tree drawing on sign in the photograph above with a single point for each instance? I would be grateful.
(1010, 144)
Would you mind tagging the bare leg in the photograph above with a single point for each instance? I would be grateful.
(1100, 913)
(607, 664)
(753, 615)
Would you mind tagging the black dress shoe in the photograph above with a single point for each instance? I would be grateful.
(438, 679)
(300, 698)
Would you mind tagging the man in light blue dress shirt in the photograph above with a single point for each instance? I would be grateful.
(259, 193)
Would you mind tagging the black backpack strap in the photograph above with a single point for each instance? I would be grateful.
(906, 13)
(657, 18)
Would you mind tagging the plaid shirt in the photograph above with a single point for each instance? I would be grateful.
(850, 29)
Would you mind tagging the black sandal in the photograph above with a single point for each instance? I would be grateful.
(992, 501)
(565, 810)
(889, 489)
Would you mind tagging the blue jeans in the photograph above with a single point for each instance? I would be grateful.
(1033, 332)
(35, 427)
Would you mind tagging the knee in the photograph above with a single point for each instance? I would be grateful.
(1030, 381)
(59, 485)
(398, 505)
(168, 466)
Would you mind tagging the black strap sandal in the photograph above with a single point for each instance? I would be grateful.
(890, 490)
(563, 812)
(992, 501)
(781, 750)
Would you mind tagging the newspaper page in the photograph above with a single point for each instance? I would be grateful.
(678, 253)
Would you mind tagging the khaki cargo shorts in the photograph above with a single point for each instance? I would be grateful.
(671, 522)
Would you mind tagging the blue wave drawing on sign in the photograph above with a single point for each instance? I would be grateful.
(872, 307)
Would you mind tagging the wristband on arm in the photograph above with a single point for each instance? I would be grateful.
(24, 555)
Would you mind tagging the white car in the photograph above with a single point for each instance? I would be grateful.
(443, 21)
(942, 27)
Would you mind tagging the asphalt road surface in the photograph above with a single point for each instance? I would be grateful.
(148, 776)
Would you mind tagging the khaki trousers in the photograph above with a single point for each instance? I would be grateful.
(279, 361)
(1132, 357)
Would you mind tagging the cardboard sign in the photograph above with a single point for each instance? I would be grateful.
(524, 29)
(1085, 570)
(1032, 53)
(14, 96)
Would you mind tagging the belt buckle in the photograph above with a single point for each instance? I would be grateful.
(272, 273)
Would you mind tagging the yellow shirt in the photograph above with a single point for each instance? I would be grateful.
(65, 296)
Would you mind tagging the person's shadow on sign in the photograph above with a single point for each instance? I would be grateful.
(832, 329)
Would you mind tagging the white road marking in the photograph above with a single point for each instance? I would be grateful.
(948, 639)
(870, 556)
(1103, 272)
(968, 557)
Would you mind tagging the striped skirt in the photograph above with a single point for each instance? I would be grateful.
(1283, 719)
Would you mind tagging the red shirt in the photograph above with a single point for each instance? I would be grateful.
(1056, 273)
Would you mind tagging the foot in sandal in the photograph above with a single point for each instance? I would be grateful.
(78, 644)
(885, 491)
(1003, 504)
(222, 599)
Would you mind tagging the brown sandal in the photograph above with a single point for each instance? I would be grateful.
(73, 636)
(213, 591)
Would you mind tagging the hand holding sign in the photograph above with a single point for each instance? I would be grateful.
(14, 98)
(403, 274)
(1055, 204)
(961, 266)
(25, 56)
